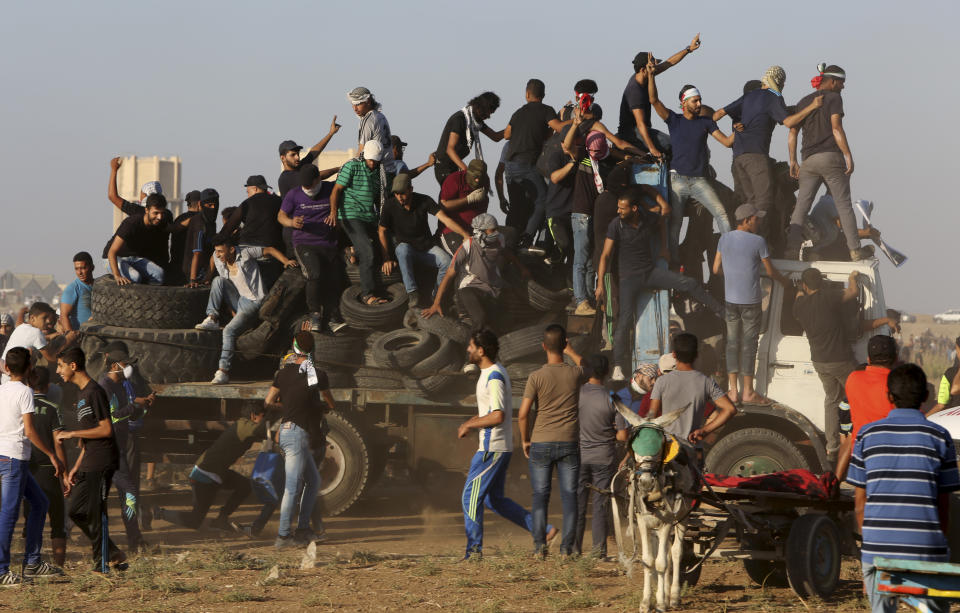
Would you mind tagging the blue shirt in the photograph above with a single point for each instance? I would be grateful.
(741, 254)
(904, 462)
(688, 139)
(760, 111)
(78, 295)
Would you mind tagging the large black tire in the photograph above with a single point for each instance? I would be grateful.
(345, 470)
(521, 343)
(286, 298)
(340, 352)
(445, 327)
(164, 356)
(543, 298)
(449, 356)
(754, 451)
(353, 273)
(766, 573)
(813, 556)
(377, 379)
(432, 385)
(259, 341)
(404, 348)
(340, 379)
(147, 306)
(387, 316)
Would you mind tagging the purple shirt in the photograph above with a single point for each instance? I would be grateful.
(315, 231)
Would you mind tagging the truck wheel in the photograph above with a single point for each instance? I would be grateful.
(448, 356)
(345, 470)
(813, 556)
(754, 451)
(387, 316)
(404, 348)
(766, 573)
(147, 306)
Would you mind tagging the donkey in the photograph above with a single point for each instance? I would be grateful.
(661, 483)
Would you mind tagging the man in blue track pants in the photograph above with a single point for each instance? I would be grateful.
(488, 469)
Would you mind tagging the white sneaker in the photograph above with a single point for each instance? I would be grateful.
(617, 374)
(209, 323)
(220, 378)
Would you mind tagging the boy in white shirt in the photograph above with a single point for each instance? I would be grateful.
(29, 334)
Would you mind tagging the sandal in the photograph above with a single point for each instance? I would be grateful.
(372, 300)
(761, 401)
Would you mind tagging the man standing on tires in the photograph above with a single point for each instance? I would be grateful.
(903, 468)
(300, 390)
(552, 440)
(239, 288)
(488, 468)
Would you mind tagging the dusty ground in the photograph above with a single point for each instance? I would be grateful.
(392, 551)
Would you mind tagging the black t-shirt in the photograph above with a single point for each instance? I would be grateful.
(816, 128)
(198, 238)
(529, 130)
(260, 225)
(93, 407)
(229, 446)
(46, 421)
(821, 317)
(456, 123)
(559, 196)
(604, 211)
(178, 239)
(635, 96)
(413, 226)
(132, 209)
(141, 240)
(289, 179)
(634, 243)
(585, 188)
(301, 401)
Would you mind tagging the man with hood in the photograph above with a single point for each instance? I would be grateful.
(197, 248)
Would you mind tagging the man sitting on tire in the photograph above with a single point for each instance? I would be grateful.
(138, 252)
(239, 287)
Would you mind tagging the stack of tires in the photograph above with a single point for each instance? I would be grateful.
(157, 325)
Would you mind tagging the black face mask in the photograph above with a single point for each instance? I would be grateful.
(210, 214)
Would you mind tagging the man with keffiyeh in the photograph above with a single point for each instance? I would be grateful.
(461, 134)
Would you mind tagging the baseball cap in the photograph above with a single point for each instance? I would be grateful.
(192, 196)
(289, 145)
(667, 362)
(152, 187)
(396, 142)
(747, 210)
(881, 348)
(373, 150)
(256, 181)
(209, 195)
(401, 183)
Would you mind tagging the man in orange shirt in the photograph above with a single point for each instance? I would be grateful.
(867, 393)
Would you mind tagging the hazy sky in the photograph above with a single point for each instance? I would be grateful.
(222, 83)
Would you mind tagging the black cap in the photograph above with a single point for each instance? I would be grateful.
(118, 352)
(256, 181)
(396, 142)
(882, 348)
(209, 195)
(192, 196)
(289, 145)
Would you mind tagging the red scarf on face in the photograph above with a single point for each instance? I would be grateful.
(584, 101)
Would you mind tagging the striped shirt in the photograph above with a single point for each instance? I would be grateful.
(904, 462)
(493, 394)
(361, 191)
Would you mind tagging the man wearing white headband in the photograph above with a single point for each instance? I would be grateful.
(826, 159)
(688, 167)
(373, 123)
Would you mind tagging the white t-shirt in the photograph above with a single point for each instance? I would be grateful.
(27, 336)
(493, 394)
(15, 400)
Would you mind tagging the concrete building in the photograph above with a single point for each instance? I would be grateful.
(20, 287)
(135, 171)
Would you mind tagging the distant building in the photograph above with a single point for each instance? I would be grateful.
(135, 171)
(30, 287)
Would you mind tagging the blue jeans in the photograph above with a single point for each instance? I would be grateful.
(682, 189)
(407, 257)
(599, 476)
(515, 172)
(140, 270)
(224, 293)
(584, 276)
(298, 464)
(543, 457)
(361, 235)
(18, 484)
(743, 333)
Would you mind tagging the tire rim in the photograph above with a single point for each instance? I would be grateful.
(822, 557)
(333, 468)
(752, 465)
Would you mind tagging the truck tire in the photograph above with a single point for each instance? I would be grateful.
(543, 298)
(754, 451)
(345, 470)
(813, 556)
(147, 306)
(258, 341)
(387, 316)
(340, 352)
(521, 343)
(404, 348)
(286, 299)
(445, 327)
(432, 385)
(353, 273)
(164, 356)
(367, 378)
(448, 356)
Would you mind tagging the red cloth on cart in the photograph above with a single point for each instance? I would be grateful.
(798, 481)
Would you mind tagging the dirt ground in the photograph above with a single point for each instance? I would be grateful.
(394, 550)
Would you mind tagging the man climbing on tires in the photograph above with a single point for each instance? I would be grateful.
(139, 250)
(238, 287)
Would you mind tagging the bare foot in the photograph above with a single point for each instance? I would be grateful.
(756, 398)
(732, 395)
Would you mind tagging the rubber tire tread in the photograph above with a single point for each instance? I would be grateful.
(356, 453)
(432, 385)
(445, 327)
(286, 298)
(521, 343)
(353, 273)
(755, 439)
(339, 352)
(387, 316)
(448, 356)
(800, 555)
(420, 344)
(147, 306)
(367, 378)
(543, 298)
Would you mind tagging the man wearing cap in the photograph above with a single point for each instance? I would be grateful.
(635, 104)
(125, 407)
(138, 251)
(397, 165)
(291, 161)
(197, 248)
(405, 217)
(355, 204)
(760, 110)
(464, 195)
(690, 159)
(75, 299)
(373, 123)
(258, 216)
(305, 210)
(826, 159)
(239, 287)
(739, 256)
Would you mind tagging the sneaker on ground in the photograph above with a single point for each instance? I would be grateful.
(42, 569)
(584, 308)
(11, 579)
(336, 325)
(617, 374)
(220, 378)
(470, 369)
(285, 542)
(209, 323)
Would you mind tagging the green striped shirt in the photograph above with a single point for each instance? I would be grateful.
(361, 189)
